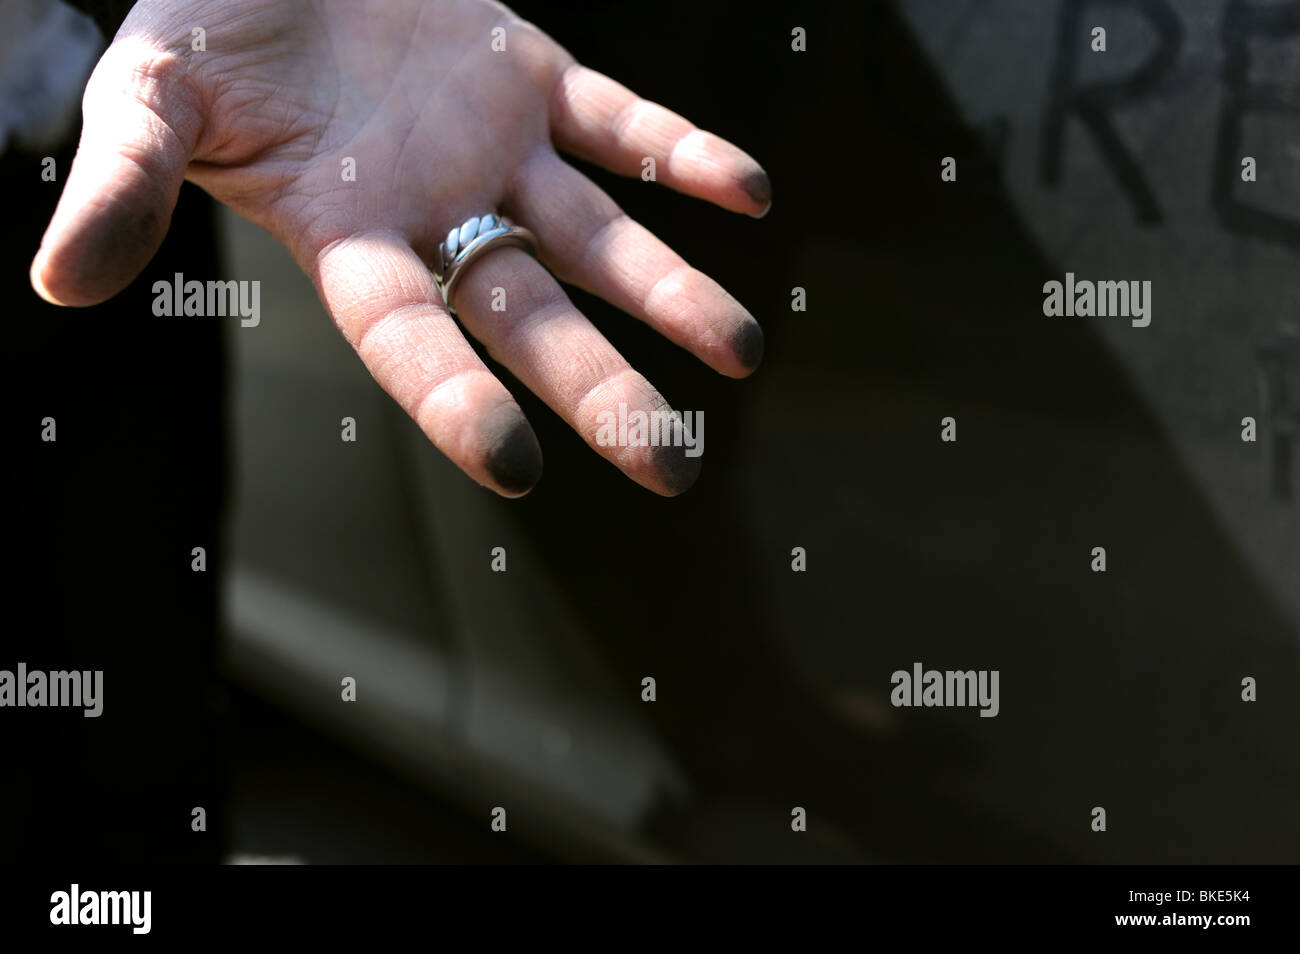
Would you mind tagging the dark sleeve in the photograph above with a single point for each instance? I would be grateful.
(107, 14)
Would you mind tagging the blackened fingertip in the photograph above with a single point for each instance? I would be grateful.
(747, 343)
(677, 469)
(514, 458)
(759, 188)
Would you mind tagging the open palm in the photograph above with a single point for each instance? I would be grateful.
(442, 110)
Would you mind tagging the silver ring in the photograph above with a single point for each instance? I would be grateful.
(473, 238)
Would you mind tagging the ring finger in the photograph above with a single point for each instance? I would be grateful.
(560, 356)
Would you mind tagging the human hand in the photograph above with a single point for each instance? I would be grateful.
(441, 127)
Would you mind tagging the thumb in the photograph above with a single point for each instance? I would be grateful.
(141, 119)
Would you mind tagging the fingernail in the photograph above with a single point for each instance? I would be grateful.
(514, 458)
